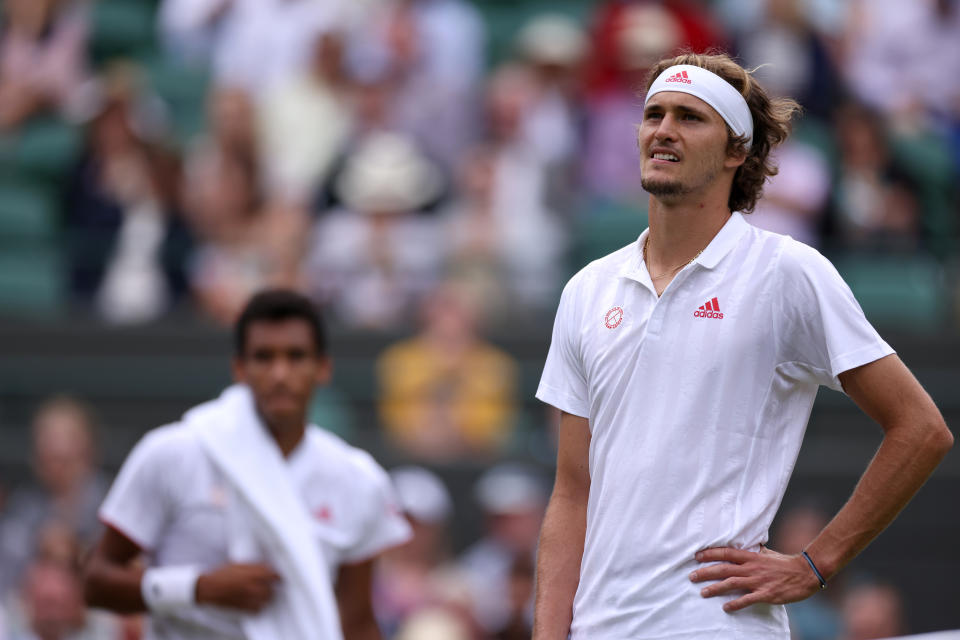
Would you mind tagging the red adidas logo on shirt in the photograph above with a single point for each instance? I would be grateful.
(709, 310)
(680, 76)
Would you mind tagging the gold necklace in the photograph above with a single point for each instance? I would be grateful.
(675, 269)
(688, 262)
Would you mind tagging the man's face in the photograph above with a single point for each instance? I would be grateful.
(281, 366)
(62, 450)
(683, 146)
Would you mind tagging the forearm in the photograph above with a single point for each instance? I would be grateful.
(354, 588)
(906, 458)
(362, 628)
(113, 587)
(558, 565)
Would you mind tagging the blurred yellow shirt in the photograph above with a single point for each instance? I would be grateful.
(445, 405)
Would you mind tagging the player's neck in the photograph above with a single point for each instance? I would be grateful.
(678, 231)
(287, 436)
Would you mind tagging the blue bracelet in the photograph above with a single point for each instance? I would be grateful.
(816, 572)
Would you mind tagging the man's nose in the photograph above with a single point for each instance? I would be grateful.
(667, 128)
(280, 369)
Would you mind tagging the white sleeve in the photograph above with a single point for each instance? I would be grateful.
(384, 524)
(564, 382)
(823, 327)
(138, 503)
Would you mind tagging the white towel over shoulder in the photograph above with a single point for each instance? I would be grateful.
(269, 521)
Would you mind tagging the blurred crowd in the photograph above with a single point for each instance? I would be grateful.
(424, 590)
(371, 152)
(384, 157)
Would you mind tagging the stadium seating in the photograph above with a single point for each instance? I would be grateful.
(906, 292)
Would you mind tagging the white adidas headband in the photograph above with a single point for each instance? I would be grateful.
(712, 89)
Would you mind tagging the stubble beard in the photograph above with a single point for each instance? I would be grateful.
(663, 188)
(674, 190)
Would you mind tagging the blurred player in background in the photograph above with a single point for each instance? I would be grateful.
(247, 515)
(686, 365)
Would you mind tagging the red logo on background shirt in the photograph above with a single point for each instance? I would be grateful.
(323, 514)
(613, 318)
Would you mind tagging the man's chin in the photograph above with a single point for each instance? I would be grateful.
(281, 412)
(662, 188)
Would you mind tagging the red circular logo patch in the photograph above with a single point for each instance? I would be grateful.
(613, 318)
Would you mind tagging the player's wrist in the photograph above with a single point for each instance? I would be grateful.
(206, 591)
(170, 588)
(817, 578)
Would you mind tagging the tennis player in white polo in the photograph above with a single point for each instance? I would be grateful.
(253, 525)
(685, 366)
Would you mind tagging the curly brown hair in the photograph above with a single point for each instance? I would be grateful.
(771, 123)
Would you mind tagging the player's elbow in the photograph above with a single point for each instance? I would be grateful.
(931, 437)
(940, 439)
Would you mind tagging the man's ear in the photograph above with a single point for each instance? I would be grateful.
(237, 369)
(736, 156)
(324, 370)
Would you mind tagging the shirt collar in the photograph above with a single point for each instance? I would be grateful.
(720, 246)
(724, 241)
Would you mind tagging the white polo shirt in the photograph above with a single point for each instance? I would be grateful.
(697, 402)
(173, 502)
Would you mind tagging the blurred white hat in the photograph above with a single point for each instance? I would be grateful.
(648, 33)
(553, 38)
(387, 173)
(511, 488)
(434, 623)
(422, 494)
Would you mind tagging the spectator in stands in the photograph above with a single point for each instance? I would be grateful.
(488, 228)
(628, 39)
(42, 57)
(876, 198)
(253, 44)
(904, 60)
(446, 393)
(305, 123)
(794, 200)
(67, 490)
(231, 114)
(51, 606)
(407, 576)
(128, 241)
(376, 257)
(513, 497)
(188, 29)
(437, 623)
(554, 48)
(792, 58)
(519, 624)
(502, 202)
(245, 242)
(689, 25)
(872, 610)
(48, 605)
(428, 55)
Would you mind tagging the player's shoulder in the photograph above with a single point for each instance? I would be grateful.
(797, 259)
(798, 270)
(347, 460)
(165, 447)
(605, 269)
(169, 439)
